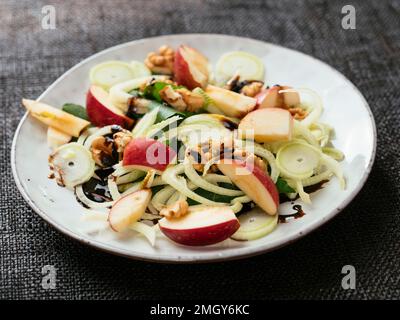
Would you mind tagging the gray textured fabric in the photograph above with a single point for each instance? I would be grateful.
(366, 234)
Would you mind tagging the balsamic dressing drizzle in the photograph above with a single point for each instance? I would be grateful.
(299, 211)
(298, 214)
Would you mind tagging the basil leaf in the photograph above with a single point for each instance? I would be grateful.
(76, 110)
(283, 186)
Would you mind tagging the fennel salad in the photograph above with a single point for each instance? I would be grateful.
(198, 152)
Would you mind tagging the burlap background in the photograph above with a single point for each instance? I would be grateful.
(365, 235)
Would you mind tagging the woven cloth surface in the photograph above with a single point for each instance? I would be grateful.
(366, 234)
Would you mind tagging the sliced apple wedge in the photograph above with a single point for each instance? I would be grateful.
(55, 118)
(144, 153)
(201, 227)
(271, 98)
(128, 209)
(267, 125)
(230, 103)
(190, 68)
(254, 182)
(56, 138)
(102, 112)
(290, 99)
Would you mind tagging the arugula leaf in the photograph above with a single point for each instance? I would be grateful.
(76, 110)
(283, 186)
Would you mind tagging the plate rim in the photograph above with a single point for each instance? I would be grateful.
(209, 256)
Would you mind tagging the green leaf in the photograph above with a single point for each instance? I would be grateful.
(166, 112)
(283, 186)
(210, 195)
(152, 91)
(76, 110)
(135, 93)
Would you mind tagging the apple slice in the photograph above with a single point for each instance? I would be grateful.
(128, 209)
(271, 98)
(102, 112)
(56, 118)
(145, 153)
(230, 103)
(56, 138)
(254, 182)
(267, 125)
(190, 68)
(290, 99)
(201, 226)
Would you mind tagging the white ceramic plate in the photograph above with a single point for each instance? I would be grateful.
(345, 109)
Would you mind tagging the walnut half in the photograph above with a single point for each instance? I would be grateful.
(161, 62)
(182, 99)
(175, 210)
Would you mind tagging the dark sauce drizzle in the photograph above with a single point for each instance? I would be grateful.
(299, 210)
(298, 214)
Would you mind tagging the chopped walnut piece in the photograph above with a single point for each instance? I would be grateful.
(175, 210)
(121, 139)
(298, 113)
(182, 99)
(102, 151)
(252, 89)
(193, 100)
(173, 98)
(161, 62)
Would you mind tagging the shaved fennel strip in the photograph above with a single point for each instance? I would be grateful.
(129, 177)
(333, 153)
(236, 206)
(317, 108)
(237, 203)
(179, 183)
(161, 197)
(174, 198)
(305, 197)
(217, 178)
(135, 187)
(151, 131)
(90, 203)
(262, 152)
(209, 163)
(334, 166)
(148, 232)
(145, 123)
(196, 179)
(303, 131)
(100, 132)
(82, 138)
(317, 178)
(158, 181)
(113, 188)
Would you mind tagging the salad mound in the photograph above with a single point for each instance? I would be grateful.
(201, 153)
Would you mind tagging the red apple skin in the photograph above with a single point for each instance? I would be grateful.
(182, 67)
(202, 236)
(100, 115)
(135, 154)
(262, 178)
(269, 98)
